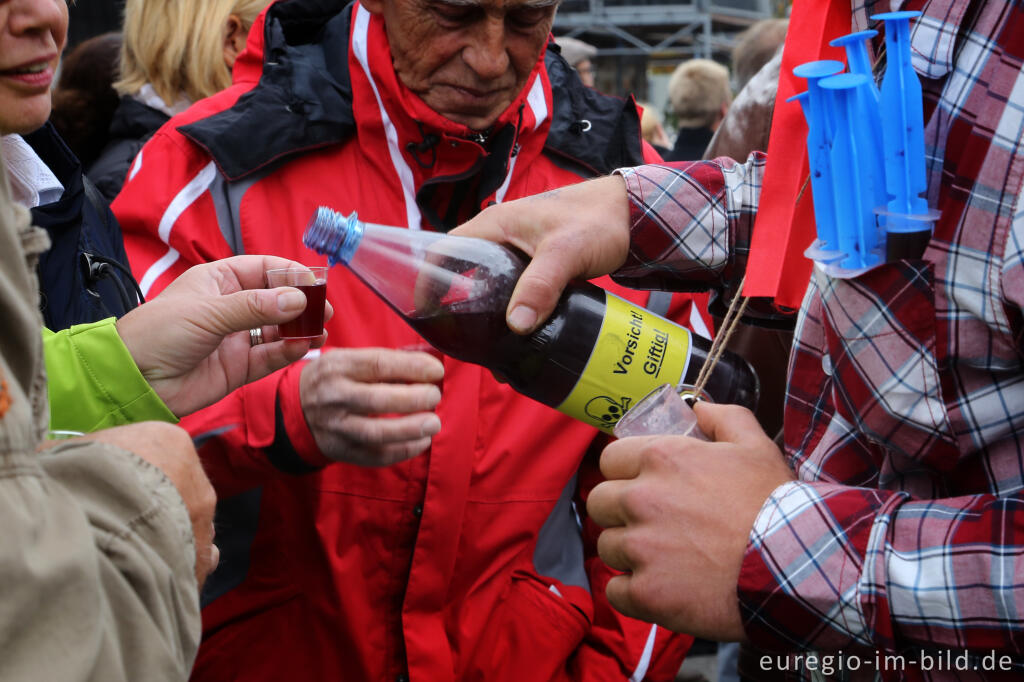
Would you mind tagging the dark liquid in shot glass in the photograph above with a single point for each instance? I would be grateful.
(310, 323)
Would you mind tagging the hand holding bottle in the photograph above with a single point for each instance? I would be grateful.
(348, 393)
(591, 359)
(580, 231)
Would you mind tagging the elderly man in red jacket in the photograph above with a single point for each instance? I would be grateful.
(884, 542)
(462, 554)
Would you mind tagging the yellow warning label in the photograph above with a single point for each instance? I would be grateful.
(636, 352)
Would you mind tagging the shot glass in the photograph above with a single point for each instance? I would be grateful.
(662, 412)
(312, 281)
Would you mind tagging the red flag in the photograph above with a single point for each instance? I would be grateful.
(784, 226)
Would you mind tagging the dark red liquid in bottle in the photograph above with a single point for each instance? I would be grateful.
(310, 323)
(544, 365)
(547, 364)
(454, 292)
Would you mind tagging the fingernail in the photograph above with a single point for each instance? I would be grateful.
(291, 299)
(431, 426)
(522, 318)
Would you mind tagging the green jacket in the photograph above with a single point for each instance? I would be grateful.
(93, 381)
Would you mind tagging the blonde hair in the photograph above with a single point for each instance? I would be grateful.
(697, 89)
(178, 45)
(650, 121)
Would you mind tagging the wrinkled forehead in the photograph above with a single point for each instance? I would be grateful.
(498, 5)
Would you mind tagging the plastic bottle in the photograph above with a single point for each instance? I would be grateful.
(595, 355)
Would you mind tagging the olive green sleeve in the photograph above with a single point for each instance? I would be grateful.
(93, 381)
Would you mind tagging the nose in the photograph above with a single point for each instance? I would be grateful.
(38, 16)
(487, 51)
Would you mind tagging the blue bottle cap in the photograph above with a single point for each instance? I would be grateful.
(334, 235)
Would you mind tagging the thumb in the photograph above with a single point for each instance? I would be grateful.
(537, 292)
(729, 423)
(255, 307)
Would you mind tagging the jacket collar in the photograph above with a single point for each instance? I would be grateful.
(134, 120)
(303, 99)
(63, 163)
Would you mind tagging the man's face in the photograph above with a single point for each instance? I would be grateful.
(32, 35)
(467, 59)
(586, 71)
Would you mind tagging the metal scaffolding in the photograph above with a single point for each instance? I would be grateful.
(682, 29)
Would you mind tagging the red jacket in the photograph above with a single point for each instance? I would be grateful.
(465, 563)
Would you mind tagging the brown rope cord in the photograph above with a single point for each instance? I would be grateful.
(732, 318)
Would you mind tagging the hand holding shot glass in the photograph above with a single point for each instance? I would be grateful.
(311, 281)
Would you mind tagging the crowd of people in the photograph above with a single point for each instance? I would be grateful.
(233, 505)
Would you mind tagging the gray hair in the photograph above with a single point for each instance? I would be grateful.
(575, 50)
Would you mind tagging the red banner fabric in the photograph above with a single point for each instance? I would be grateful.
(784, 225)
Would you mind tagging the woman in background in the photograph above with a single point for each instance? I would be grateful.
(173, 53)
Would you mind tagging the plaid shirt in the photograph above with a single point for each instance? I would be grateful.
(905, 404)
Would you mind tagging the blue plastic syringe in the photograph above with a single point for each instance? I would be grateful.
(908, 222)
(818, 112)
(854, 174)
(857, 60)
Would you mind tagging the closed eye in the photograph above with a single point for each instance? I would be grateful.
(525, 18)
(452, 15)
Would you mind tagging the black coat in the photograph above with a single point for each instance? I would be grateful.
(84, 276)
(691, 144)
(133, 124)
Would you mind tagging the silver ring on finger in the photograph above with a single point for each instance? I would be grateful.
(255, 336)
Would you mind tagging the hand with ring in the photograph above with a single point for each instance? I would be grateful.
(214, 329)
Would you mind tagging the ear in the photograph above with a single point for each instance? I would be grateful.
(235, 36)
(722, 111)
(373, 6)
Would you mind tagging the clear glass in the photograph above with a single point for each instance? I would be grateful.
(662, 412)
(312, 281)
(420, 272)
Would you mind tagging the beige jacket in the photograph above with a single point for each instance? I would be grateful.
(96, 550)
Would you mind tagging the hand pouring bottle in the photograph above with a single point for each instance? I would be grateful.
(592, 359)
